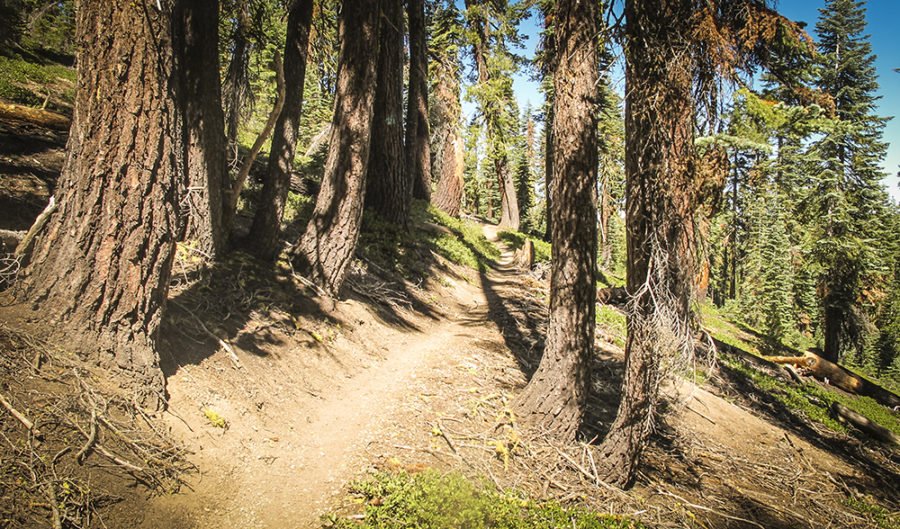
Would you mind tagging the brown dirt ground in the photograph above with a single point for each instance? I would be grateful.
(411, 376)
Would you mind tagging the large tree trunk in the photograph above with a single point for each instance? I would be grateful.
(833, 319)
(659, 216)
(388, 190)
(198, 46)
(555, 397)
(100, 268)
(448, 197)
(325, 249)
(266, 228)
(509, 202)
(417, 144)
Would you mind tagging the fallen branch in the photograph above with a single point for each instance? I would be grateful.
(19, 416)
(24, 246)
(92, 438)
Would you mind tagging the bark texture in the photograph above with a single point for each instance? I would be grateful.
(266, 228)
(327, 246)
(388, 189)
(100, 268)
(204, 121)
(449, 193)
(417, 145)
(554, 399)
(448, 142)
(237, 82)
(659, 215)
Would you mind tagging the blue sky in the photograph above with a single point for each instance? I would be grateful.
(883, 17)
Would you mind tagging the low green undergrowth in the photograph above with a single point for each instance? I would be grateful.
(517, 239)
(432, 500)
(612, 322)
(27, 83)
(873, 512)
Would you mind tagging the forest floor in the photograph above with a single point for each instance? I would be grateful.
(403, 375)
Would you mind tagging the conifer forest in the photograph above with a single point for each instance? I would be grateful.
(449, 264)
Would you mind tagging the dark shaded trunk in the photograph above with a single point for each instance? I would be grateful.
(327, 246)
(265, 231)
(100, 268)
(659, 217)
(417, 145)
(554, 399)
(204, 121)
(237, 82)
(832, 329)
(388, 190)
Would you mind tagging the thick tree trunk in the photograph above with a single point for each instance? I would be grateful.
(417, 144)
(509, 202)
(555, 397)
(448, 197)
(198, 46)
(100, 268)
(327, 246)
(265, 231)
(659, 216)
(388, 189)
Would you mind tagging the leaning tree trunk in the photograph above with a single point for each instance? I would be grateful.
(659, 217)
(554, 399)
(388, 189)
(100, 269)
(198, 46)
(325, 249)
(417, 145)
(266, 228)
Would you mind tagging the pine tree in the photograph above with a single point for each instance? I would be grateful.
(847, 194)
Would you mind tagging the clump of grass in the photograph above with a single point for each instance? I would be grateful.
(516, 240)
(450, 501)
(613, 322)
(873, 512)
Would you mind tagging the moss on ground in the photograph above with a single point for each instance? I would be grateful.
(450, 501)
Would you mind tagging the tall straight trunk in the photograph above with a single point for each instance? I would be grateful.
(388, 189)
(204, 121)
(327, 245)
(548, 168)
(417, 136)
(266, 228)
(509, 202)
(100, 268)
(834, 316)
(605, 212)
(555, 398)
(448, 197)
(237, 82)
(659, 215)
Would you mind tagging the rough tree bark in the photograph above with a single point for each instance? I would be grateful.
(554, 399)
(449, 193)
(266, 228)
(659, 215)
(388, 189)
(418, 160)
(325, 249)
(204, 121)
(100, 268)
(237, 83)
(448, 151)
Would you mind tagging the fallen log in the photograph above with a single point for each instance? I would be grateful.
(875, 430)
(838, 376)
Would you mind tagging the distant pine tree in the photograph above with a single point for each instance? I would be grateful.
(847, 195)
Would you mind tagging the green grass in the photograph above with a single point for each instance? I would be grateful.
(432, 500)
(18, 75)
(873, 512)
(613, 322)
(517, 239)
(408, 252)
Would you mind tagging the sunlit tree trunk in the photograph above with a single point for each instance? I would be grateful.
(417, 136)
(659, 217)
(327, 246)
(555, 398)
(100, 269)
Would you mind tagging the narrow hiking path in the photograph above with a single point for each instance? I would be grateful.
(285, 466)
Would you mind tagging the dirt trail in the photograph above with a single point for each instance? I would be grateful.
(284, 468)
